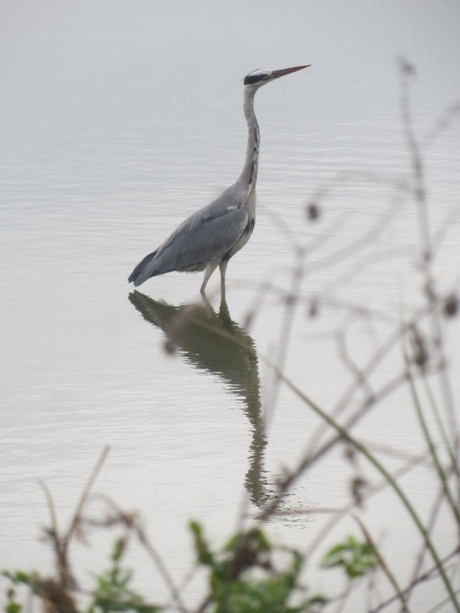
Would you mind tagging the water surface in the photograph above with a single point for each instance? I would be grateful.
(118, 120)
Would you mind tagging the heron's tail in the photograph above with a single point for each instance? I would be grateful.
(143, 271)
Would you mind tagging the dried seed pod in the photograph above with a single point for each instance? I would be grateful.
(450, 305)
(313, 211)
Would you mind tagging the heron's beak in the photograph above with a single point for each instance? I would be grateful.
(276, 74)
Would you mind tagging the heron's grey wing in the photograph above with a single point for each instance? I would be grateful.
(205, 236)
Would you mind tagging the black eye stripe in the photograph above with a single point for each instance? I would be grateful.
(250, 79)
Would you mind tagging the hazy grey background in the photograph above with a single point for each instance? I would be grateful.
(117, 119)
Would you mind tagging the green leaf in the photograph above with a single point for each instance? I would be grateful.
(12, 606)
(113, 592)
(354, 557)
(204, 554)
(19, 577)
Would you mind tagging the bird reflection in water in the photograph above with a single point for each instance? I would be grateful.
(214, 342)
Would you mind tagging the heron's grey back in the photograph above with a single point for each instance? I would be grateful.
(207, 235)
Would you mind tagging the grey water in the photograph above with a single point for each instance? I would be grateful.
(118, 119)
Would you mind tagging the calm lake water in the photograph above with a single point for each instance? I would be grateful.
(117, 121)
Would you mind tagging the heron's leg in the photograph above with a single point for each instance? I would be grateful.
(210, 268)
(223, 269)
(207, 305)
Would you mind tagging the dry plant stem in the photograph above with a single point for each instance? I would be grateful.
(399, 454)
(427, 253)
(77, 515)
(445, 226)
(442, 430)
(119, 518)
(360, 265)
(419, 191)
(61, 543)
(143, 539)
(326, 235)
(428, 575)
(374, 591)
(119, 604)
(432, 307)
(444, 122)
(344, 434)
(186, 580)
(366, 240)
(380, 354)
(263, 289)
(383, 392)
(204, 605)
(383, 565)
(283, 228)
(51, 507)
(310, 459)
(399, 185)
(292, 300)
(432, 448)
(375, 490)
(355, 385)
(430, 526)
(125, 519)
(356, 309)
(343, 598)
(361, 380)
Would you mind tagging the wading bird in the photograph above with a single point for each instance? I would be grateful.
(211, 236)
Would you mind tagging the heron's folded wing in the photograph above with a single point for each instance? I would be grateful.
(204, 239)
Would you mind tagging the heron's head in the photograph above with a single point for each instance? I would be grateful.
(259, 77)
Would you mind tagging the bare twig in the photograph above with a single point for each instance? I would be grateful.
(382, 562)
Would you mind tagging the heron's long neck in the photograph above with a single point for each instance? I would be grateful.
(248, 176)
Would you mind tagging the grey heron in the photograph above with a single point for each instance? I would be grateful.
(211, 236)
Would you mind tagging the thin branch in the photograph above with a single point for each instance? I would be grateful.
(89, 484)
(442, 124)
(382, 562)
(432, 448)
(426, 576)
(344, 434)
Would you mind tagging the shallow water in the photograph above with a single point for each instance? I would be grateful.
(117, 124)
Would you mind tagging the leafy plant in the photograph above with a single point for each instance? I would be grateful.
(244, 577)
(113, 591)
(251, 575)
(354, 557)
(12, 605)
